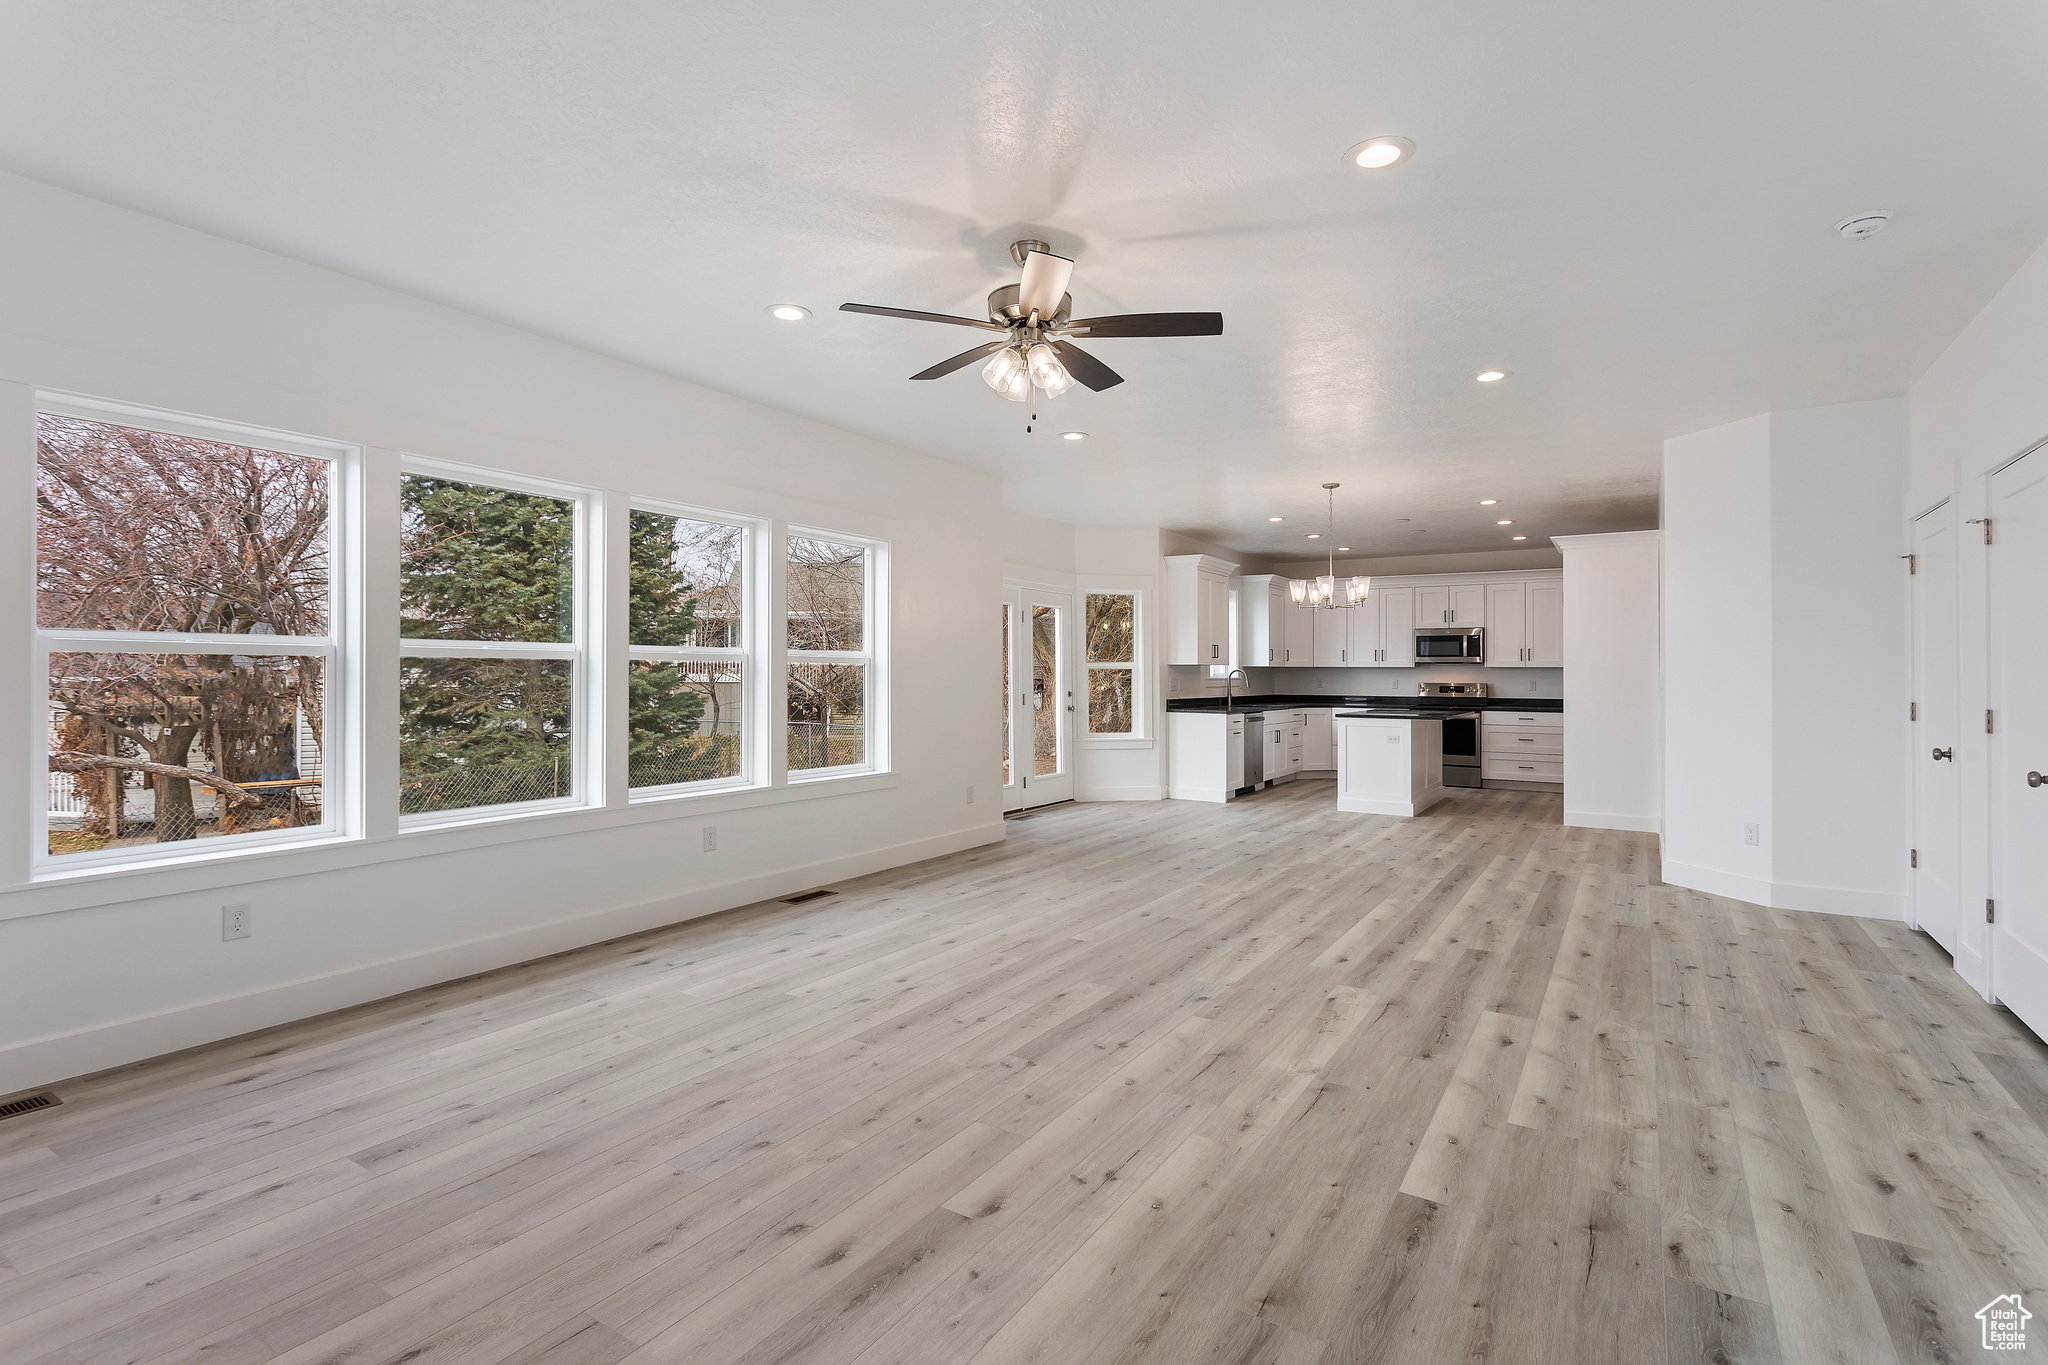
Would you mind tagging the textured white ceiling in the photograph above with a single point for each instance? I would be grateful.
(1629, 206)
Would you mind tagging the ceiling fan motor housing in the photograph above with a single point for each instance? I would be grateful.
(1002, 307)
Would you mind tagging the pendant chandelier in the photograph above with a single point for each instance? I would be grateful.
(1327, 591)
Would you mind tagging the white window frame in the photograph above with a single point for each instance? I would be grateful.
(586, 742)
(753, 610)
(874, 628)
(339, 649)
(1143, 701)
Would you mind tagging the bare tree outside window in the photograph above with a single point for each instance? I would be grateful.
(1111, 645)
(827, 597)
(140, 532)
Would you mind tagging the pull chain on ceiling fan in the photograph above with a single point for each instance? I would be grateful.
(1034, 315)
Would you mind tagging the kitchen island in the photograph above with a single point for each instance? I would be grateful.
(1390, 760)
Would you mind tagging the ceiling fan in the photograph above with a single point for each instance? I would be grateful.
(1034, 317)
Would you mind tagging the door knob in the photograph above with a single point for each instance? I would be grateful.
(2036, 780)
(1945, 753)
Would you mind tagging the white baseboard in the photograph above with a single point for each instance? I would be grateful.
(1718, 883)
(1821, 900)
(42, 1061)
(1216, 794)
(1366, 805)
(1592, 819)
(1154, 792)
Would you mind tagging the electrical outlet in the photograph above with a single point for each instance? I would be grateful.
(1532, 684)
(970, 796)
(711, 838)
(1753, 834)
(234, 922)
(1319, 684)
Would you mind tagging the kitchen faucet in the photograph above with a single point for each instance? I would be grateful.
(1229, 693)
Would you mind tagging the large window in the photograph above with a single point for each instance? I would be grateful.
(186, 626)
(688, 680)
(490, 619)
(1112, 650)
(830, 667)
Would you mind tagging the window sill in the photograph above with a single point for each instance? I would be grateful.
(809, 775)
(62, 889)
(487, 815)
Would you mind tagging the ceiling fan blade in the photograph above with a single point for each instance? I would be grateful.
(1086, 368)
(965, 358)
(1149, 325)
(1045, 284)
(916, 316)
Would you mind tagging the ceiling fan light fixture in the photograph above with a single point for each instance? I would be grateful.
(1003, 369)
(1046, 370)
(1378, 153)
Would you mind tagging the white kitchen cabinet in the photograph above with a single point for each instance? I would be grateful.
(1525, 625)
(1198, 609)
(1333, 636)
(1300, 649)
(1397, 627)
(1452, 604)
(1262, 620)
(1318, 742)
(1546, 625)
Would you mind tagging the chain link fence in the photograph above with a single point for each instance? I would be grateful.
(459, 788)
(705, 758)
(826, 744)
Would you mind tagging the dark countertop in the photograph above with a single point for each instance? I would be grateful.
(1281, 700)
(1407, 713)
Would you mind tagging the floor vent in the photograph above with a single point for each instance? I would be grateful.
(803, 896)
(28, 1104)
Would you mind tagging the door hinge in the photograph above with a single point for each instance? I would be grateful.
(1912, 563)
(1916, 858)
(1912, 710)
(1990, 911)
(1984, 522)
(1987, 720)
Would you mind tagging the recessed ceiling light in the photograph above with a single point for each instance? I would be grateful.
(1857, 226)
(1343, 549)
(1276, 518)
(1073, 436)
(1488, 502)
(788, 312)
(1503, 523)
(1491, 376)
(1315, 535)
(1378, 153)
(1419, 533)
(1400, 519)
(1521, 537)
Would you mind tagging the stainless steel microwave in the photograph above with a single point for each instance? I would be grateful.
(1450, 645)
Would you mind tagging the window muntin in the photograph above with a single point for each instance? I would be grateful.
(1111, 642)
(688, 682)
(829, 601)
(490, 621)
(165, 551)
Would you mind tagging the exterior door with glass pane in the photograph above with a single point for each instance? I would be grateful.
(1039, 704)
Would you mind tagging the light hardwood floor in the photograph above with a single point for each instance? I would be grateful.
(1165, 1083)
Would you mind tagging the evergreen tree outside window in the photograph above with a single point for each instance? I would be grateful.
(687, 675)
(491, 632)
(186, 626)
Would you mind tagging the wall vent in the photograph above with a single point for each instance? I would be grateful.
(28, 1104)
(802, 896)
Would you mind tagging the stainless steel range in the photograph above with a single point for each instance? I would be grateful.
(1461, 731)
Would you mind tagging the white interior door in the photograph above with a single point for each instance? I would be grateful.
(2018, 568)
(1937, 841)
(1039, 701)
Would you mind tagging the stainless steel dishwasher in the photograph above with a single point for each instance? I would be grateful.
(1254, 750)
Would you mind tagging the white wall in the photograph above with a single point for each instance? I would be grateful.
(1717, 658)
(1614, 713)
(1784, 650)
(101, 970)
(1982, 402)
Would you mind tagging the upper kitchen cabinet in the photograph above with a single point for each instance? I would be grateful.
(1451, 604)
(1525, 624)
(1383, 630)
(1301, 637)
(1333, 636)
(1198, 609)
(1262, 608)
